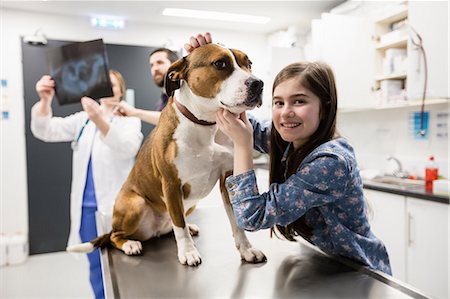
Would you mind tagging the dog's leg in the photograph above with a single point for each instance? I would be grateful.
(248, 253)
(193, 228)
(129, 210)
(187, 252)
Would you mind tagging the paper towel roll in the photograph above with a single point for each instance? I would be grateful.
(17, 249)
(3, 250)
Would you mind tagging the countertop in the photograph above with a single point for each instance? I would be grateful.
(411, 191)
(293, 269)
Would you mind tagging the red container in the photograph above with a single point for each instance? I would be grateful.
(431, 173)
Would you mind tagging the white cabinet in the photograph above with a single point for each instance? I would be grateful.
(430, 20)
(427, 251)
(388, 223)
(344, 42)
(416, 234)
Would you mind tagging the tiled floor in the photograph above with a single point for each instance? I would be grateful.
(50, 275)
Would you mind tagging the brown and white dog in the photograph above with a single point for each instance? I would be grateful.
(184, 156)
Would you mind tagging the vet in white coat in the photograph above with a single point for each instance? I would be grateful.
(112, 157)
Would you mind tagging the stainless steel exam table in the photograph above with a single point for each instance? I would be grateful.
(292, 270)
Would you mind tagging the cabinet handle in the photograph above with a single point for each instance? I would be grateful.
(410, 230)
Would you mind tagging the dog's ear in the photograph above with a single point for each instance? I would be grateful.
(174, 74)
(242, 59)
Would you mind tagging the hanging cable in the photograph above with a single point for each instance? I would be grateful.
(419, 45)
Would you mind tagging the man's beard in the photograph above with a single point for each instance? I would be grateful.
(159, 82)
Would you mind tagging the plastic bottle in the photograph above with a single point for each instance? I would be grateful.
(431, 173)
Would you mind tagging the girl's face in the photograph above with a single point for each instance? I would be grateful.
(112, 101)
(295, 112)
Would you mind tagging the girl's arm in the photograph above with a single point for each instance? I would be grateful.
(239, 129)
(317, 183)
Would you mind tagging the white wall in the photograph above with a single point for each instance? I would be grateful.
(14, 24)
(378, 134)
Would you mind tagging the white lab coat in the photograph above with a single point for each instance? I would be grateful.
(113, 157)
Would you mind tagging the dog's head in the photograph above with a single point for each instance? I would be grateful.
(219, 75)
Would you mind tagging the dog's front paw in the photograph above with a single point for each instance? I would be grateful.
(190, 258)
(193, 229)
(132, 247)
(253, 255)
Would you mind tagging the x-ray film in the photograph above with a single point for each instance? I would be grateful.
(80, 69)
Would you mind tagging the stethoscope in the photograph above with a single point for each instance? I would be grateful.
(75, 143)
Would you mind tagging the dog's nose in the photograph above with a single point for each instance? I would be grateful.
(254, 85)
(254, 92)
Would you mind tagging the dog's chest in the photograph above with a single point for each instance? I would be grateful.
(200, 160)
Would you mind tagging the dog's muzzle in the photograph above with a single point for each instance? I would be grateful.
(254, 92)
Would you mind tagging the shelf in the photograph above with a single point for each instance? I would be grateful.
(400, 76)
(390, 43)
(400, 12)
(400, 42)
(409, 104)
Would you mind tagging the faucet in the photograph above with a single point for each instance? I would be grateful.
(399, 171)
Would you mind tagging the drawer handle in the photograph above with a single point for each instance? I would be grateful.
(410, 229)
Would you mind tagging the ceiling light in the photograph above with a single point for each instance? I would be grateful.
(214, 15)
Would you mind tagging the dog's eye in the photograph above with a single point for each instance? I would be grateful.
(220, 64)
(250, 65)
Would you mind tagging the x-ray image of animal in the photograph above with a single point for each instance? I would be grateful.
(80, 69)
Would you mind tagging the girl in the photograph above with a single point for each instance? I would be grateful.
(104, 147)
(316, 190)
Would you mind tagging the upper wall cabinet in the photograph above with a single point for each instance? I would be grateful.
(345, 43)
(429, 20)
(375, 57)
(400, 74)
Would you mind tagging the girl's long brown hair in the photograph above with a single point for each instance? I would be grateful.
(319, 79)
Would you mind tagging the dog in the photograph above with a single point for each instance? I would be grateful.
(184, 157)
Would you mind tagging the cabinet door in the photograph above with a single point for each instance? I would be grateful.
(436, 43)
(345, 43)
(388, 224)
(428, 236)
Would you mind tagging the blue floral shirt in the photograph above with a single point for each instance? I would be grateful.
(326, 189)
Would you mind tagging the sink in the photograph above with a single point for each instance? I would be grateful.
(398, 182)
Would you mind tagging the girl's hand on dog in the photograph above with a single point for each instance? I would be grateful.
(237, 127)
(45, 88)
(197, 41)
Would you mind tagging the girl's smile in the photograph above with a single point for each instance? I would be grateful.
(290, 125)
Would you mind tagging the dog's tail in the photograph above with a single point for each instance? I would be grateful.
(90, 246)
